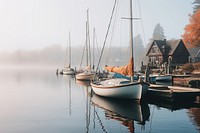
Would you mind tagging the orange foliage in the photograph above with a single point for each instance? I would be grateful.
(191, 36)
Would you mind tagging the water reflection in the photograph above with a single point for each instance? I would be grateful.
(176, 104)
(83, 83)
(125, 111)
(194, 114)
(98, 114)
(36, 101)
(69, 78)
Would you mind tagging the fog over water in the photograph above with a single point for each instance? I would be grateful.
(57, 56)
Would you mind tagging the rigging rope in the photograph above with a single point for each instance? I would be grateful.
(82, 56)
(112, 32)
(106, 36)
(141, 21)
(97, 47)
(100, 122)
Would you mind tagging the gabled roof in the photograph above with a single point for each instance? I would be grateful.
(194, 52)
(160, 44)
(169, 46)
(198, 54)
(172, 44)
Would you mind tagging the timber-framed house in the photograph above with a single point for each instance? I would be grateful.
(172, 52)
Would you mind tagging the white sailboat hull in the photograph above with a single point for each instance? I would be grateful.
(126, 90)
(68, 71)
(85, 76)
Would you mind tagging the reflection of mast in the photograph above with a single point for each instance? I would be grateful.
(87, 116)
(88, 110)
(94, 118)
(100, 122)
(70, 101)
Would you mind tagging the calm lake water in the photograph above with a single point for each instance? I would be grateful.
(38, 101)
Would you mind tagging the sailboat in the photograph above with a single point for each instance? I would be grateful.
(87, 74)
(121, 87)
(68, 70)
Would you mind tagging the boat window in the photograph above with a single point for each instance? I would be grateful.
(124, 82)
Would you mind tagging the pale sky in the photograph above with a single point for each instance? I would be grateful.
(35, 24)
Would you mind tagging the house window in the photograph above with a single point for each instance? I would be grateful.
(153, 50)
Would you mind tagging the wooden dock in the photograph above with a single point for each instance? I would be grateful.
(183, 80)
(173, 93)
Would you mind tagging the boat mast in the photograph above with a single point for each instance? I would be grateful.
(69, 50)
(93, 49)
(86, 43)
(131, 39)
(88, 35)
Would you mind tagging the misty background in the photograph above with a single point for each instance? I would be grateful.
(35, 32)
(57, 56)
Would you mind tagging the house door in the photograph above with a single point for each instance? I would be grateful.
(153, 61)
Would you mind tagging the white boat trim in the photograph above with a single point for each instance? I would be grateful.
(68, 71)
(131, 90)
(85, 76)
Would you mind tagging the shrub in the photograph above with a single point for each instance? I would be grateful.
(197, 66)
(188, 67)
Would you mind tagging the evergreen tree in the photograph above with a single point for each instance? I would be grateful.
(158, 33)
(196, 5)
(139, 51)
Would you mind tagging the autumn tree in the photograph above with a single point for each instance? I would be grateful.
(191, 36)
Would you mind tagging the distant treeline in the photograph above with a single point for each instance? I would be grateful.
(57, 55)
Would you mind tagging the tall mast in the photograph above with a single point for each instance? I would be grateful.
(86, 43)
(88, 35)
(131, 39)
(69, 50)
(93, 48)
